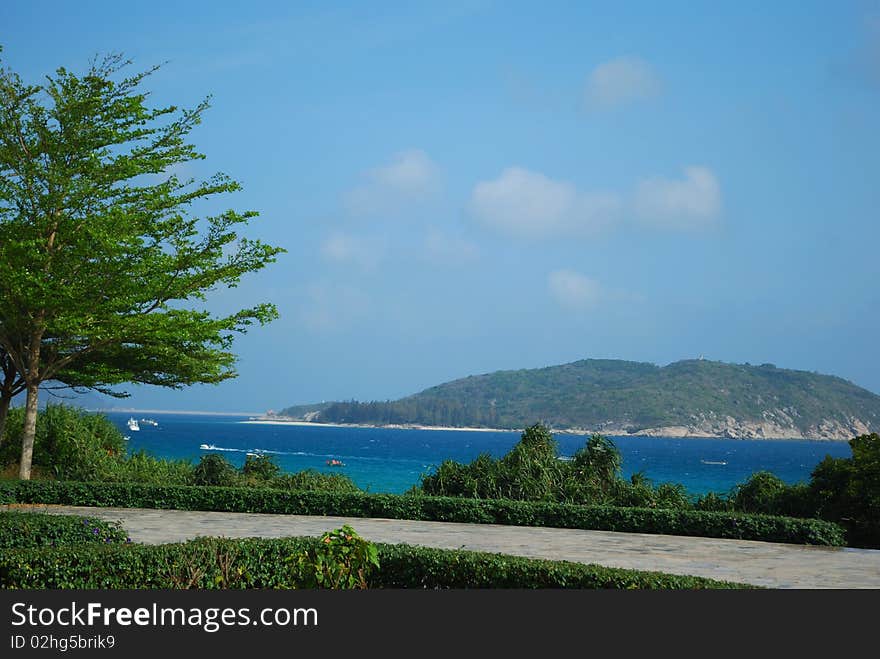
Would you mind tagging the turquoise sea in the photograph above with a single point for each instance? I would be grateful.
(392, 460)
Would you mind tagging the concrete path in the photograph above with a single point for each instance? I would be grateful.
(774, 565)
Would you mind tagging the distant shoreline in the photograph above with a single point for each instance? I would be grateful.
(567, 431)
(280, 422)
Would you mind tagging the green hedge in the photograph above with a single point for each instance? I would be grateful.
(735, 525)
(28, 530)
(212, 563)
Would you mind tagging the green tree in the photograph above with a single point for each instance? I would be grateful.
(848, 490)
(532, 470)
(214, 469)
(259, 468)
(104, 259)
(763, 492)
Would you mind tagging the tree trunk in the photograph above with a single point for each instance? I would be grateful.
(30, 431)
(5, 400)
(32, 380)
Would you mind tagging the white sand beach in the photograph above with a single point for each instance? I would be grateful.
(282, 422)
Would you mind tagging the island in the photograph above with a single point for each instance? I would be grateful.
(689, 398)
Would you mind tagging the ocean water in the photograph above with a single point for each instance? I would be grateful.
(393, 460)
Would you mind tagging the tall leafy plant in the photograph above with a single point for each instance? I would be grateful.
(104, 259)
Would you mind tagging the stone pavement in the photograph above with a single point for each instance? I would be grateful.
(773, 565)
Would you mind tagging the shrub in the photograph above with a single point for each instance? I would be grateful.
(20, 530)
(450, 509)
(763, 492)
(533, 471)
(70, 443)
(141, 467)
(211, 563)
(259, 468)
(847, 490)
(214, 469)
(340, 560)
(712, 501)
(312, 480)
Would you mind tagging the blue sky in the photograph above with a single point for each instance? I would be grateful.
(463, 187)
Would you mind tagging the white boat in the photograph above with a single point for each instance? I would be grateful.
(207, 447)
(714, 462)
(133, 424)
(150, 422)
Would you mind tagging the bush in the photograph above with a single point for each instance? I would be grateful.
(533, 471)
(212, 563)
(141, 467)
(712, 501)
(70, 443)
(340, 560)
(847, 490)
(639, 492)
(214, 469)
(259, 468)
(312, 480)
(19, 530)
(763, 493)
(450, 509)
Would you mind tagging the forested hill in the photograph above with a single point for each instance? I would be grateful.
(686, 398)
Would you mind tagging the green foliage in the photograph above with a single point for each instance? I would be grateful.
(593, 473)
(214, 469)
(211, 563)
(445, 509)
(712, 501)
(417, 567)
(141, 467)
(631, 395)
(641, 493)
(312, 480)
(259, 468)
(847, 490)
(533, 471)
(22, 530)
(105, 261)
(762, 493)
(341, 560)
(71, 444)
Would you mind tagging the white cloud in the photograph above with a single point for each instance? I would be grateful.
(410, 177)
(529, 204)
(619, 81)
(332, 306)
(573, 290)
(344, 248)
(443, 248)
(686, 203)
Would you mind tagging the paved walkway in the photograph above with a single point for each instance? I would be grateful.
(774, 565)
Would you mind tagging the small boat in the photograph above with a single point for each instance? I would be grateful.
(333, 462)
(133, 424)
(207, 447)
(150, 422)
(714, 462)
